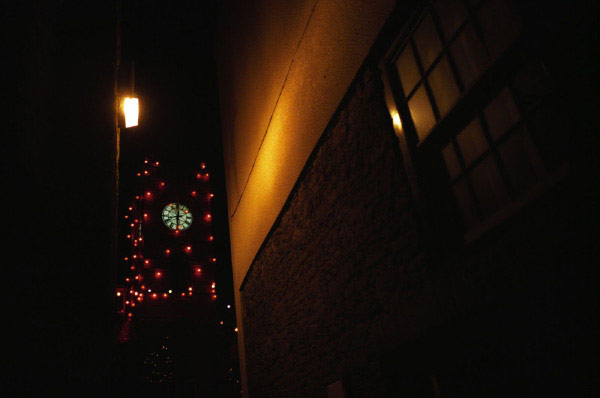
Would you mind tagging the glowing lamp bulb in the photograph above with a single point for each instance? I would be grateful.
(118, 294)
(235, 330)
(190, 288)
(131, 108)
(167, 252)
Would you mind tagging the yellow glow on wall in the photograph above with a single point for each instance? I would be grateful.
(131, 109)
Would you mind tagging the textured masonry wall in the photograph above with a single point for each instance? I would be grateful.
(323, 293)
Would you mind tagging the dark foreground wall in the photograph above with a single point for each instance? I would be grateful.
(58, 174)
(344, 288)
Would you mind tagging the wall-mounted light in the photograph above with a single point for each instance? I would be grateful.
(131, 109)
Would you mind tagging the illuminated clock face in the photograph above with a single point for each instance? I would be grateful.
(177, 216)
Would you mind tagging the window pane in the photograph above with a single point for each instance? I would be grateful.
(451, 161)
(469, 55)
(465, 202)
(407, 68)
(471, 142)
(488, 186)
(452, 13)
(517, 161)
(422, 115)
(443, 86)
(500, 24)
(427, 41)
(501, 114)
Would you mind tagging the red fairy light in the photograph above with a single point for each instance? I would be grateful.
(156, 164)
(139, 174)
(130, 208)
(211, 238)
(165, 295)
(193, 193)
(167, 252)
(162, 184)
(154, 295)
(158, 274)
(145, 172)
(130, 315)
(198, 176)
(202, 165)
(188, 249)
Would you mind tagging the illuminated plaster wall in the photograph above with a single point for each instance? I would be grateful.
(284, 67)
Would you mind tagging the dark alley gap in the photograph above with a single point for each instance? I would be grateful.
(171, 49)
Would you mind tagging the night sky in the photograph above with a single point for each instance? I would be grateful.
(172, 47)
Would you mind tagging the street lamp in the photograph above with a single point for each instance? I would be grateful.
(131, 109)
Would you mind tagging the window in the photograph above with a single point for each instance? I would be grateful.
(474, 110)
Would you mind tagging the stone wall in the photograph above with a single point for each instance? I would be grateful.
(323, 293)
